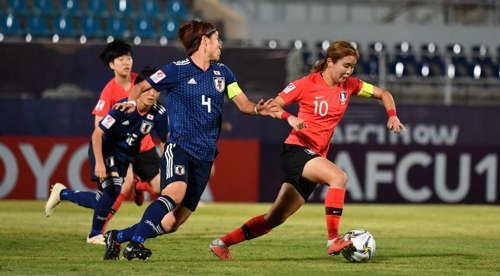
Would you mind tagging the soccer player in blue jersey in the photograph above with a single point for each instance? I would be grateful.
(114, 146)
(195, 89)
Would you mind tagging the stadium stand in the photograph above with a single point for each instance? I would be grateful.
(44, 8)
(37, 26)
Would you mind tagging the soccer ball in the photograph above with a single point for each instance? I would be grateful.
(364, 243)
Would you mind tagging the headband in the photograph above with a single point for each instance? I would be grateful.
(207, 33)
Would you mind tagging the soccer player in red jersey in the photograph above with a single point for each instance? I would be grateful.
(322, 97)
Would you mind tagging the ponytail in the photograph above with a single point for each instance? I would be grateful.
(319, 66)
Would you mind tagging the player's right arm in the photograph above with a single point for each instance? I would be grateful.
(291, 93)
(100, 168)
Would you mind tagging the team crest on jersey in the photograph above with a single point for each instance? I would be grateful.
(220, 84)
(343, 96)
(109, 161)
(179, 170)
(158, 76)
(289, 88)
(100, 104)
(146, 127)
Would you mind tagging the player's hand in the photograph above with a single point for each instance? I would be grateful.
(126, 107)
(395, 125)
(296, 123)
(100, 171)
(264, 108)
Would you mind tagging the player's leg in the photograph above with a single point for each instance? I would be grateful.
(170, 223)
(146, 168)
(289, 200)
(174, 172)
(59, 192)
(128, 184)
(322, 170)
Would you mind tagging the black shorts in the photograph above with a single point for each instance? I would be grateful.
(292, 161)
(147, 164)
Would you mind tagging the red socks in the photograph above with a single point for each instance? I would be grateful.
(252, 229)
(334, 204)
(144, 186)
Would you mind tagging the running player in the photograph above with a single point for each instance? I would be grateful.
(195, 89)
(322, 98)
(147, 165)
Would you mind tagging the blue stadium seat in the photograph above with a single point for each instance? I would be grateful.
(17, 7)
(144, 28)
(432, 63)
(116, 27)
(10, 25)
(36, 25)
(169, 28)
(44, 7)
(96, 8)
(64, 27)
(123, 8)
(404, 63)
(90, 26)
(70, 7)
(150, 9)
(372, 66)
(482, 65)
(459, 65)
(177, 9)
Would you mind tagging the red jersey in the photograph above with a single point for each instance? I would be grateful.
(321, 107)
(112, 93)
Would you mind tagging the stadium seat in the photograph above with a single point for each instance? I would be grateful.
(459, 65)
(116, 27)
(177, 9)
(90, 26)
(150, 9)
(36, 25)
(359, 68)
(375, 51)
(43, 7)
(96, 8)
(482, 65)
(169, 28)
(64, 27)
(10, 25)
(144, 28)
(123, 8)
(17, 7)
(432, 63)
(404, 63)
(70, 7)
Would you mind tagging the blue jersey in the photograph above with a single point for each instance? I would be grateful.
(123, 131)
(195, 99)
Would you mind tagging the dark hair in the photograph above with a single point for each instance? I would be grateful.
(145, 72)
(336, 51)
(115, 49)
(191, 33)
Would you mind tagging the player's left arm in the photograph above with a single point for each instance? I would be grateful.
(393, 123)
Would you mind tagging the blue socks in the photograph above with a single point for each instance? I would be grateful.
(81, 198)
(150, 224)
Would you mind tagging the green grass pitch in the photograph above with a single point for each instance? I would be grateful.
(411, 240)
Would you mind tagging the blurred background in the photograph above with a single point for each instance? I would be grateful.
(440, 59)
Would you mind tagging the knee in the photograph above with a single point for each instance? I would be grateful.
(339, 180)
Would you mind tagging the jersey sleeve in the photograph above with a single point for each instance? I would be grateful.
(232, 88)
(161, 126)
(361, 88)
(113, 116)
(165, 78)
(293, 91)
(105, 102)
